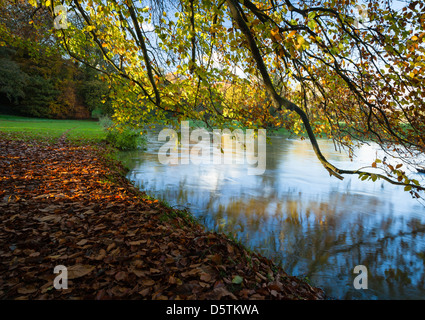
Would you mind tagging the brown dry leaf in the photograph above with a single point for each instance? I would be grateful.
(216, 258)
(101, 255)
(148, 282)
(221, 292)
(27, 290)
(206, 277)
(53, 218)
(118, 291)
(275, 286)
(230, 248)
(115, 252)
(47, 286)
(138, 273)
(100, 294)
(172, 280)
(261, 276)
(145, 292)
(120, 276)
(50, 208)
(79, 270)
(82, 242)
(244, 293)
(100, 227)
(111, 246)
(136, 243)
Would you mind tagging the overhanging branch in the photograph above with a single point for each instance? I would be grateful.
(281, 103)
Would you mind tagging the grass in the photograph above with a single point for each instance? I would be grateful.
(77, 131)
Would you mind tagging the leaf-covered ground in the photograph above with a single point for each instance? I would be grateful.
(66, 205)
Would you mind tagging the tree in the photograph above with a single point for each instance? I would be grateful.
(12, 78)
(322, 66)
(36, 76)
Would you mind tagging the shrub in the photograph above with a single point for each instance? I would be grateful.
(121, 137)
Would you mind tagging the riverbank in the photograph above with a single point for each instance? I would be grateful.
(70, 205)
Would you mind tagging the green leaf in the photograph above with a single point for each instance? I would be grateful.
(415, 182)
(237, 280)
(312, 24)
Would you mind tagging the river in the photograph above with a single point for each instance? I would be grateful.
(316, 226)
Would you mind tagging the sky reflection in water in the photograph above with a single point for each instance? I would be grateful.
(315, 225)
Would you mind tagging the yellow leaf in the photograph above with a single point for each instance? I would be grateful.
(292, 33)
(275, 34)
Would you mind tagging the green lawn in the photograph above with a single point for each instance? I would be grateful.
(49, 129)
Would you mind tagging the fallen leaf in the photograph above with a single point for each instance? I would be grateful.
(79, 270)
(145, 292)
(82, 242)
(172, 280)
(148, 282)
(237, 280)
(27, 290)
(206, 277)
(120, 276)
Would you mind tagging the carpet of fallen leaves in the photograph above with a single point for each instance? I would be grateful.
(66, 205)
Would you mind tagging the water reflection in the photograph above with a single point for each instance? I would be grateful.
(315, 225)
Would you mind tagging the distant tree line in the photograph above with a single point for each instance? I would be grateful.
(49, 87)
(36, 78)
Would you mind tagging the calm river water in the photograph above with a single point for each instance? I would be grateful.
(314, 225)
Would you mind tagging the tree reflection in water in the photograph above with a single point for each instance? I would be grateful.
(314, 225)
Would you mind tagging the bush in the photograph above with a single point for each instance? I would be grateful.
(120, 137)
(123, 139)
(106, 122)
